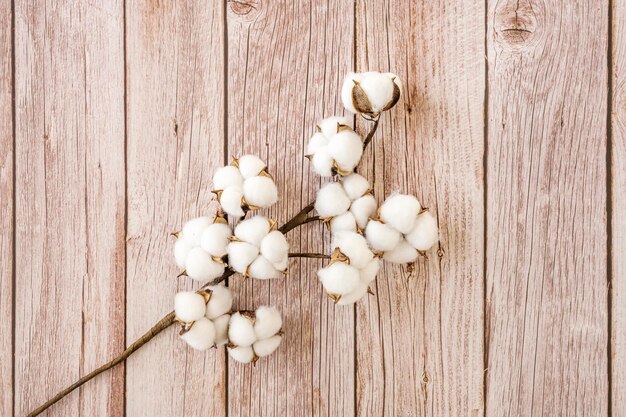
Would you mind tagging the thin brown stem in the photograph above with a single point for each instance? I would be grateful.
(372, 131)
(308, 255)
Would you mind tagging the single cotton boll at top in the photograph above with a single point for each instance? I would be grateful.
(189, 306)
(354, 246)
(268, 322)
(346, 148)
(403, 253)
(228, 176)
(370, 92)
(267, 346)
(241, 255)
(400, 212)
(379, 89)
(339, 278)
(242, 354)
(220, 302)
(221, 329)
(201, 335)
(241, 330)
(381, 237)
(253, 230)
(215, 239)
(250, 166)
(260, 192)
(345, 221)
(331, 200)
(231, 200)
(425, 232)
(200, 266)
(362, 209)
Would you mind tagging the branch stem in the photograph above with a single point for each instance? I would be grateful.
(372, 131)
(308, 255)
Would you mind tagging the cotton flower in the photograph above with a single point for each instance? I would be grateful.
(425, 232)
(331, 200)
(258, 251)
(254, 334)
(370, 92)
(200, 335)
(189, 306)
(346, 284)
(400, 212)
(220, 301)
(335, 148)
(353, 246)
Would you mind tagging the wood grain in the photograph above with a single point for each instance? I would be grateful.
(69, 88)
(286, 64)
(6, 208)
(175, 93)
(547, 332)
(420, 339)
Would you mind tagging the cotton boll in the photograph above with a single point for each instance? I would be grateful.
(241, 255)
(201, 267)
(346, 91)
(331, 200)
(381, 236)
(339, 278)
(228, 176)
(253, 230)
(268, 322)
(220, 302)
(250, 166)
(363, 208)
(317, 142)
(400, 211)
(241, 330)
(215, 239)
(346, 148)
(189, 306)
(267, 346)
(260, 191)
(425, 233)
(403, 253)
(193, 229)
(181, 250)
(354, 246)
(221, 329)
(328, 126)
(242, 354)
(378, 88)
(201, 335)
(355, 186)
(368, 274)
(231, 199)
(353, 296)
(282, 264)
(261, 268)
(323, 162)
(344, 221)
(274, 247)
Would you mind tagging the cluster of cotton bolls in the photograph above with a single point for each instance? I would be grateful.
(335, 148)
(254, 334)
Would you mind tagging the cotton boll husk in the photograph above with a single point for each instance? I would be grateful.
(181, 250)
(331, 200)
(193, 229)
(381, 236)
(339, 278)
(201, 267)
(323, 162)
(353, 296)
(318, 141)
(355, 185)
(378, 88)
(396, 80)
(346, 91)
(241, 255)
(328, 126)
(241, 330)
(363, 208)
(346, 148)
(261, 268)
(260, 191)
(403, 253)
(253, 230)
(220, 302)
(242, 354)
(250, 166)
(344, 221)
(354, 246)
(274, 247)
(368, 274)
(221, 329)
(425, 233)
(215, 239)
(189, 306)
(201, 335)
(268, 322)
(267, 346)
(400, 211)
(227, 176)
(230, 201)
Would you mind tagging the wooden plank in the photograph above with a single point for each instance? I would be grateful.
(420, 339)
(69, 88)
(6, 208)
(547, 333)
(175, 140)
(286, 64)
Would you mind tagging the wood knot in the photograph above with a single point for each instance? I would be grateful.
(244, 7)
(516, 22)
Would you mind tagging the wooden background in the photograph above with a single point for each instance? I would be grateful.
(512, 128)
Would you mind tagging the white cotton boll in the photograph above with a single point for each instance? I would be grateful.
(201, 335)
(378, 88)
(346, 91)
(344, 221)
(354, 246)
(230, 201)
(215, 239)
(400, 211)
(275, 247)
(403, 253)
(241, 330)
(346, 148)
(250, 166)
(242, 354)
(318, 141)
(260, 191)
(241, 255)
(425, 233)
(220, 302)
(381, 236)
(227, 176)
(201, 267)
(328, 126)
(282, 264)
(193, 229)
(221, 329)
(331, 200)
(268, 322)
(253, 230)
(368, 274)
(181, 250)
(323, 162)
(363, 208)
(339, 278)
(353, 296)
(355, 185)
(189, 306)
(266, 347)
(261, 268)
